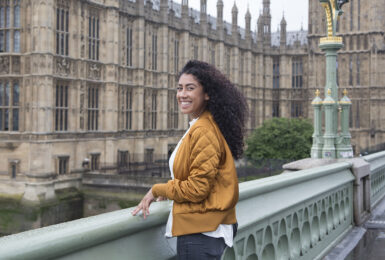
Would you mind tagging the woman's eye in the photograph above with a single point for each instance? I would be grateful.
(179, 88)
(190, 88)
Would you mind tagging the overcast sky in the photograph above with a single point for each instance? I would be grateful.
(296, 11)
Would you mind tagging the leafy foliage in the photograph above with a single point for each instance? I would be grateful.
(281, 138)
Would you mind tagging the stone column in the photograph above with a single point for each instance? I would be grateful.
(111, 89)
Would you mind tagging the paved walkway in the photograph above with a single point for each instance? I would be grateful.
(366, 242)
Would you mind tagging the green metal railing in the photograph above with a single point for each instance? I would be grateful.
(377, 176)
(114, 235)
(297, 215)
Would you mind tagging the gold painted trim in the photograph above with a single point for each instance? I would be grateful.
(331, 39)
(329, 19)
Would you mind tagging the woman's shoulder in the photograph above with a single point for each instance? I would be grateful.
(203, 125)
(204, 131)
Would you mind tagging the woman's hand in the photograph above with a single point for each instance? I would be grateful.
(144, 205)
(160, 198)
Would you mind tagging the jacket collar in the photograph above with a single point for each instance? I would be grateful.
(203, 118)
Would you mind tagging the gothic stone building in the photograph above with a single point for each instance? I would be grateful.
(92, 83)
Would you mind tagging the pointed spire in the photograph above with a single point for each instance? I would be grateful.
(259, 25)
(248, 20)
(203, 13)
(266, 23)
(220, 10)
(203, 7)
(248, 15)
(234, 9)
(283, 32)
(185, 8)
(234, 12)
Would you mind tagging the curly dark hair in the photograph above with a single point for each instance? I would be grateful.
(227, 104)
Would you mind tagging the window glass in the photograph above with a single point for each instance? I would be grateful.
(16, 41)
(16, 93)
(16, 16)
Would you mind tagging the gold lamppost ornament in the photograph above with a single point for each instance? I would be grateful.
(333, 11)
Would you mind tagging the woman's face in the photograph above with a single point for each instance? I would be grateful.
(190, 95)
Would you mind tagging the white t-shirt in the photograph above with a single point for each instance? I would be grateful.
(223, 230)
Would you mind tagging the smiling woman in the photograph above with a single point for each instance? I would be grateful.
(204, 185)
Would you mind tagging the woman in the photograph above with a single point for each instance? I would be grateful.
(204, 188)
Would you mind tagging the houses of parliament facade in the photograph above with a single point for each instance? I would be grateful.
(92, 83)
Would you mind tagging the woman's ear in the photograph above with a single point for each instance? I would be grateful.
(207, 97)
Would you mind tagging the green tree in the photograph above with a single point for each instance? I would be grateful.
(281, 138)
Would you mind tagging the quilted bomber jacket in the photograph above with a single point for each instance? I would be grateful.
(205, 188)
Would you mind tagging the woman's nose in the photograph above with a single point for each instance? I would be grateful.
(182, 93)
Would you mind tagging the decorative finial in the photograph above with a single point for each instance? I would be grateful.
(333, 9)
(317, 92)
(234, 9)
(345, 92)
(329, 91)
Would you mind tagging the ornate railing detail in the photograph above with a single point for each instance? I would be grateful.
(298, 233)
(319, 210)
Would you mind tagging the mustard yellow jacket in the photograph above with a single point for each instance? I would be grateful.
(205, 188)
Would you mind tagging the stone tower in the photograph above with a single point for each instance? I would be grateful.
(266, 20)
(283, 33)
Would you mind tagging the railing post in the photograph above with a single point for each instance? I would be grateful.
(361, 190)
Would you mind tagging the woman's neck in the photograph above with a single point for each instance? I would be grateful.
(195, 116)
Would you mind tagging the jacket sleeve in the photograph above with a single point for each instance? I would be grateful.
(204, 161)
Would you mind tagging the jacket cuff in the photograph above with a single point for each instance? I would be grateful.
(159, 189)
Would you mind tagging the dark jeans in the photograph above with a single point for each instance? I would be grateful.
(199, 247)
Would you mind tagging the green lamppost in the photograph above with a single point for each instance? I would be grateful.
(333, 144)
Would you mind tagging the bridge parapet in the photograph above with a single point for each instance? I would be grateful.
(377, 176)
(297, 215)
